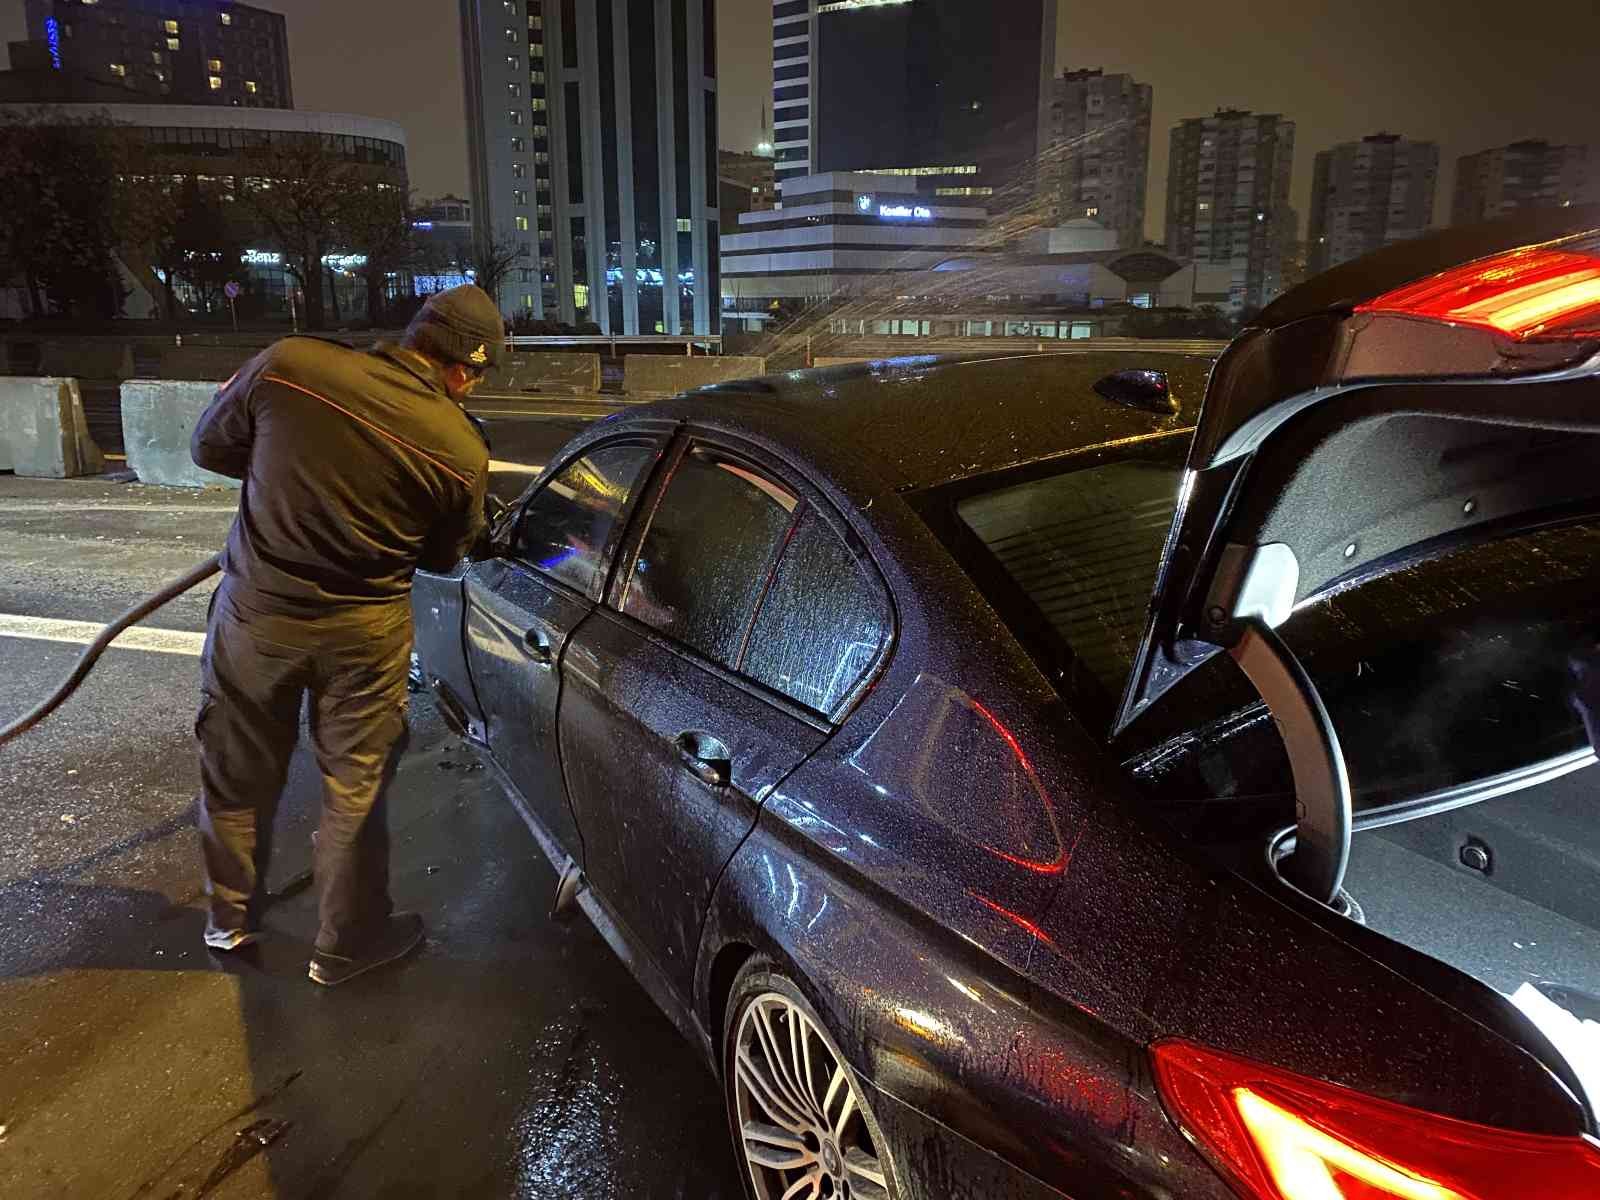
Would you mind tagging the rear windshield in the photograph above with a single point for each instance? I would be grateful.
(1084, 548)
(1447, 669)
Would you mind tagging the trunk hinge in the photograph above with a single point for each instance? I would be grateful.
(1323, 809)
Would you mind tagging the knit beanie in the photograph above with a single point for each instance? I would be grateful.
(459, 325)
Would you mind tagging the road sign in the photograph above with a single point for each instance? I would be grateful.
(231, 290)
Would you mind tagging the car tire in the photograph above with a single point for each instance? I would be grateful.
(796, 1110)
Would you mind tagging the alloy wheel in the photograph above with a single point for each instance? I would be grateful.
(802, 1130)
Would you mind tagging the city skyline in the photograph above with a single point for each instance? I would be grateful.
(1433, 71)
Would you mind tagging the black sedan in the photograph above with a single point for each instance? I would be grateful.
(1019, 780)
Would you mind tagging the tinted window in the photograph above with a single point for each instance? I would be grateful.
(822, 621)
(566, 525)
(708, 553)
(1084, 547)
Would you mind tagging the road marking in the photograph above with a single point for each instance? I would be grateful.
(489, 414)
(59, 506)
(81, 633)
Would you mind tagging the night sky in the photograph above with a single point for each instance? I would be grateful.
(1465, 73)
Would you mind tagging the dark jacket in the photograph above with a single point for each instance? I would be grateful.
(357, 469)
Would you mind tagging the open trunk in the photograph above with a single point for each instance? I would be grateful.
(1450, 683)
(1507, 891)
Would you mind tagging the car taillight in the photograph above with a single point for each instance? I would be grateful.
(1279, 1136)
(1530, 295)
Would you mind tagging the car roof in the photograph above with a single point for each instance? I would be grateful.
(930, 420)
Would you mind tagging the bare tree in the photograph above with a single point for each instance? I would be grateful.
(492, 262)
(298, 198)
(377, 224)
(66, 204)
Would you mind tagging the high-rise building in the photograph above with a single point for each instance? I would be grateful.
(1098, 164)
(1507, 179)
(592, 143)
(944, 91)
(185, 51)
(745, 184)
(1368, 194)
(1228, 199)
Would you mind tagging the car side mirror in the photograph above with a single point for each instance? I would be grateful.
(1142, 389)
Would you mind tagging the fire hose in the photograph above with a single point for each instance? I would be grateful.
(109, 634)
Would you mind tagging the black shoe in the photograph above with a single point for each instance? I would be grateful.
(398, 938)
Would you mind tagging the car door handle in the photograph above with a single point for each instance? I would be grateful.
(538, 648)
(706, 758)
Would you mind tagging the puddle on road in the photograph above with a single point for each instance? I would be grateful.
(566, 1138)
(610, 1109)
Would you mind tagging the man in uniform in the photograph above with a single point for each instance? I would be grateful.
(357, 469)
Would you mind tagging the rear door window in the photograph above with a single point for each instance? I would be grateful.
(709, 552)
(823, 621)
(569, 524)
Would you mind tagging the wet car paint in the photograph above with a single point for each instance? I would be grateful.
(517, 629)
(997, 978)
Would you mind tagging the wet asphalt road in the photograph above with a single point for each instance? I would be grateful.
(510, 1057)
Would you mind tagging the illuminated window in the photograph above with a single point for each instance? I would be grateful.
(173, 43)
(118, 70)
(171, 26)
(250, 86)
(1092, 211)
(541, 131)
(685, 225)
(227, 18)
(519, 170)
(968, 169)
(216, 83)
(511, 62)
(536, 76)
(519, 197)
(213, 64)
(522, 224)
(515, 116)
(580, 295)
(511, 35)
(518, 145)
(538, 104)
(514, 89)
(155, 56)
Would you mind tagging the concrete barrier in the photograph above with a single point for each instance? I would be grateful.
(577, 374)
(158, 418)
(202, 362)
(87, 359)
(43, 432)
(667, 374)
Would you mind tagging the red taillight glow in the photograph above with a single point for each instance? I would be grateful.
(1529, 295)
(1279, 1136)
